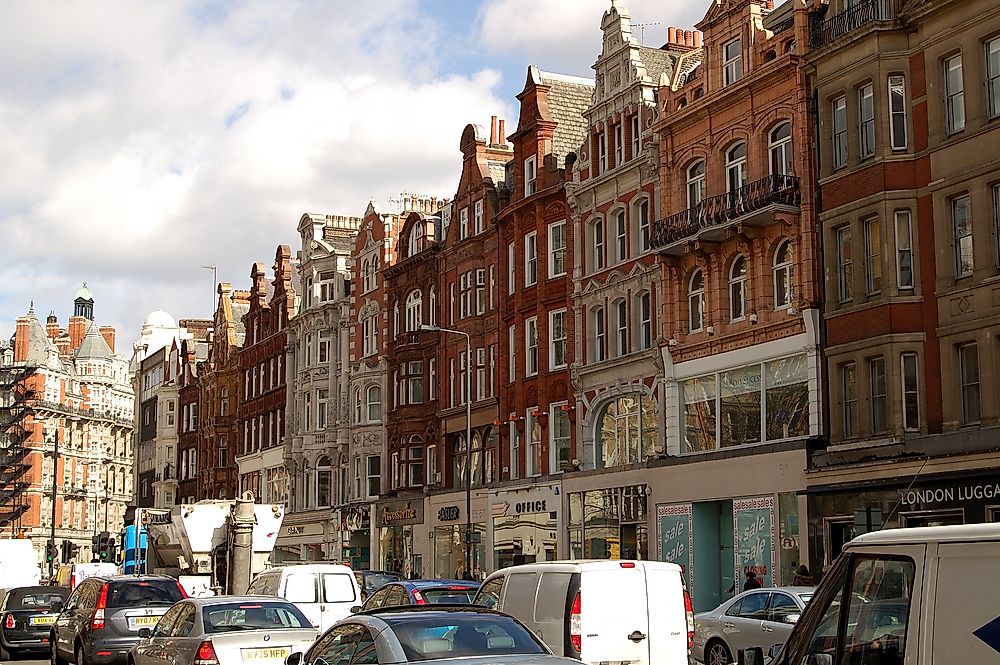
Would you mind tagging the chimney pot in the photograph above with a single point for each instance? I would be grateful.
(493, 130)
(671, 35)
(503, 136)
(688, 38)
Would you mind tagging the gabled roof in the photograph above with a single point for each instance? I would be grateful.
(568, 98)
(240, 310)
(657, 61)
(94, 344)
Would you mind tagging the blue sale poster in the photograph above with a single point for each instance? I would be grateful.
(754, 539)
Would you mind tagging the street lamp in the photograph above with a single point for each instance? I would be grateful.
(468, 438)
(71, 420)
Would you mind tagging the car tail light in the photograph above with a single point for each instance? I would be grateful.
(9, 623)
(689, 613)
(97, 621)
(181, 589)
(206, 654)
(419, 597)
(627, 564)
(576, 625)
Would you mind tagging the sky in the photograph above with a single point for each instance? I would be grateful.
(140, 141)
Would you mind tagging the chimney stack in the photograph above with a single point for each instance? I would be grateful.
(493, 130)
(108, 333)
(697, 39)
(503, 136)
(671, 35)
(688, 38)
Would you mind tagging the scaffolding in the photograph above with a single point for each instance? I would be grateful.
(15, 411)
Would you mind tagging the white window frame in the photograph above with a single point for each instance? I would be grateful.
(695, 181)
(636, 136)
(463, 223)
(736, 168)
(992, 48)
(557, 248)
(477, 225)
(530, 176)
(896, 94)
(954, 95)
(779, 150)
(602, 153)
(558, 339)
(786, 268)
(511, 268)
(959, 238)
(597, 253)
(531, 259)
(904, 358)
(965, 382)
(849, 398)
(845, 264)
(369, 329)
(838, 124)
(533, 454)
(619, 144)
(904, 249)
(599, 320)
(732, 63)
(621, 235)
(515, 448)
(373, 407)
(644, 226)
(644, 304)
(873, 255)
(511, 353)
(738, 289)
(414, 310)
(696, 302)
(866, 121)
(620, 307)
(554, 410)
(531, 346)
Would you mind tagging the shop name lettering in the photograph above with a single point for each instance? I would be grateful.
(963, 493)
(396, 515)
(295, 530)
(530, 507)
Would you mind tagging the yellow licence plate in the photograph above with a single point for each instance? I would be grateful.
(42, 621)
(145, 621)
(267, 653)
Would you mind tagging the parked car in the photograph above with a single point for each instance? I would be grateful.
(756, 618)
(423, 592)
(226, 630)
(597, 611)
(103, 616)
(429, 634)
(324, 592)
(26, 616)
(371, 580)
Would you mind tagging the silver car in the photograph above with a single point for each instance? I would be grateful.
(756, 618)
(225, 630)
(429, 634)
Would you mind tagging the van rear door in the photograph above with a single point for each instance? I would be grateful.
(965, 603)
(668, 641)
(614, 613)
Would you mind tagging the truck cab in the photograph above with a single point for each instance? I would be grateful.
(903, 597)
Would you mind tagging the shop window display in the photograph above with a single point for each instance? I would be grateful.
(628, 430)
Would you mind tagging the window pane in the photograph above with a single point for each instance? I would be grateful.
(740, 406)
(911, 405)
(699, 412)
(878, 610)
(787, 398)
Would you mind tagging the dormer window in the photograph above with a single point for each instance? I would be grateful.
(530, 175)
(413, 242)
(732, 62)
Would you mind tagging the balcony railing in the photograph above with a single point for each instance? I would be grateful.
(824, 31)
(718, 211)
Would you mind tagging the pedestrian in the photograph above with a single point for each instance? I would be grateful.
(467, 576)
(752, 582)
(802, 577)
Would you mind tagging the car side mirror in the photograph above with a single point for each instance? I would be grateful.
(145, 633)
(791, 618)
(751, 656)
(57, 606)
(355, 609)
(294, 658)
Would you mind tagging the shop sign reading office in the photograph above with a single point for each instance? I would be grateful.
(960, 493)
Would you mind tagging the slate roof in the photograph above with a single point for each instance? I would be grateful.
(569, 97)
(498, 170)
(239, 311)
(94, 344)
(657, 61)
(39, 343)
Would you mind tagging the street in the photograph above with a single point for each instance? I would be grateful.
(27, 662)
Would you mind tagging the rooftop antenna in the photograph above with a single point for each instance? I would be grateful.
(642, 29)
(403, 196)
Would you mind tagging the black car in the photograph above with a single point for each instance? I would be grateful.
(26, 616)
(371, 580)
(103, 616)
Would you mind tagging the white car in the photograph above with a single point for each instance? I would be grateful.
(225, 630)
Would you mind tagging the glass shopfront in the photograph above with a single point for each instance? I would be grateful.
(609, 523)
(355, 523)
(449, 551)
(395, 521)
(525, 526)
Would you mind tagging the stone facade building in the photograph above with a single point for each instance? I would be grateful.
(261, 409)
(910, 184)
(192, 354)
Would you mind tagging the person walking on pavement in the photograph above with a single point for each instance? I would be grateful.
(802, 577)
(752, 582)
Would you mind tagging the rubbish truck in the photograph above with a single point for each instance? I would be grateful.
(212, 547)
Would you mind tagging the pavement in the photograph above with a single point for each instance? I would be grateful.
(27, 662)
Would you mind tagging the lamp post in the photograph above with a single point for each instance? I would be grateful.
(468, 438)
(70, 420)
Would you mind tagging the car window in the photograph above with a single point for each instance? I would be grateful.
(74, 599)
(233, 617)
(754, 606)
(338, 588)
(489, 593)
(397, 596)
(782, 607)
(32, 598)
(266, 584)
(455, 595)
(734, 609)
(429, 637)
(167, 621)
(88, 595)
(145, 593)
(337, 646)
(185, 621)
(300, 588)
(364, 652)
(377, 599)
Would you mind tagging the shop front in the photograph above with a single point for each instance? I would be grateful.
(525, 524)
(355, 533)
(893, 495)
(304, 537)
(399, 525)
(609, 523)
(447, 521)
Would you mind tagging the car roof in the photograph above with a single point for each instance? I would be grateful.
(229, 600)
(581, 565)
(930, 534)
(312, 566)
(431, 609)
(426, 584)
(130, 578)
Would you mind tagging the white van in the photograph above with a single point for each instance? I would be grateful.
(325, 592)
(903, 597)
(599, 611)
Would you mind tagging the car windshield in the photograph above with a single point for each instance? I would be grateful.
(378, 580)
(231, 617)
(449, 595)
(454, 634)
(35, 598)
(143, 593)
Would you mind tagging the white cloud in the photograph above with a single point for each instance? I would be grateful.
(150, 139)
(565, 35)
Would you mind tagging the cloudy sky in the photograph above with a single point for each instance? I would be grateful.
(140, 141)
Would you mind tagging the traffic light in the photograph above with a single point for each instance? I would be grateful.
(50, 552)
(105, 546)
(112, 551)
(65, 551)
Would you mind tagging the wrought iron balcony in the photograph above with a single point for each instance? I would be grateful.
(754, 204)
(823, 31)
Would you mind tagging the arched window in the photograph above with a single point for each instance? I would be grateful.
(414, 310)
(460, 457)
(644, 307)
(324, 483)
(620, 309)
(783, 258)
(628, 431)
(395, 320)
(736, 167)
(599, 322)
(642, 225)
(696, 183)
(696, 301)
(621, 236)
(780, 149)
(597, 238)
(414, 243)
(357, 405)
(738, 288)
(374, 404)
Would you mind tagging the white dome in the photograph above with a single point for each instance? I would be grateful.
(159, 319)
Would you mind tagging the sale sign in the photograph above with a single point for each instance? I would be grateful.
(754, 539)
(676, 539)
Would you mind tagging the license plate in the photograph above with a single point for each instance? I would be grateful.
(143, 622)
(41, 621)
(267, 653)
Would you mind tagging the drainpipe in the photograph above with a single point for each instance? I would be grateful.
(242, 520)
